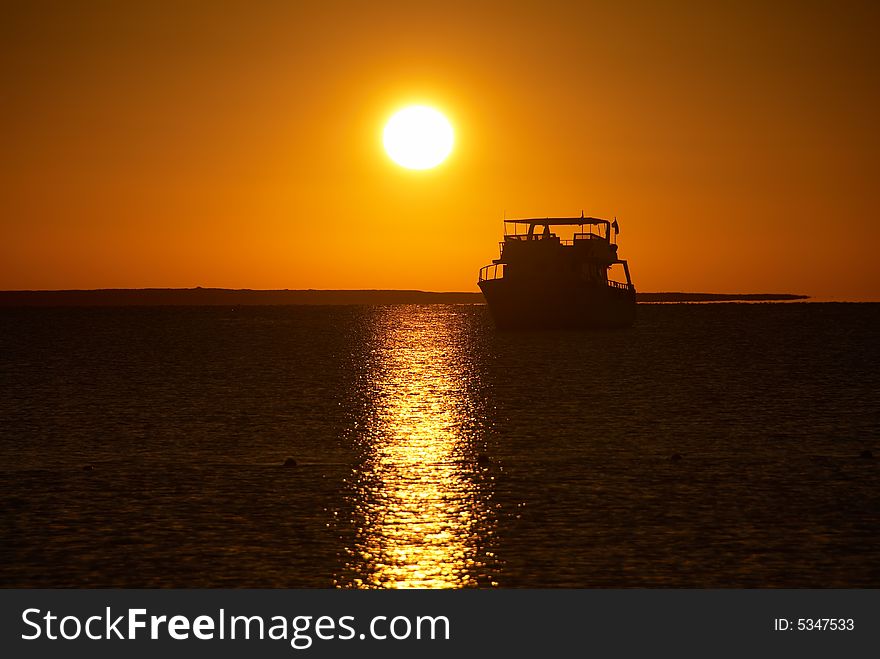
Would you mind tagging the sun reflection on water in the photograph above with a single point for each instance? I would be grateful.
(421, 504)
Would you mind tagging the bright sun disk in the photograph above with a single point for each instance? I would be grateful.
(418, 137)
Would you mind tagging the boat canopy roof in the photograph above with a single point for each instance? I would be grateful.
(559, 221)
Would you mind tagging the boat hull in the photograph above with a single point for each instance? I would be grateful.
(531, 305)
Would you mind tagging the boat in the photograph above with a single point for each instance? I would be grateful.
(544, 281)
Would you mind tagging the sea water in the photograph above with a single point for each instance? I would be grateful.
(711, 445)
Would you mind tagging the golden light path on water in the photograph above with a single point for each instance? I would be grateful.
(420, 508)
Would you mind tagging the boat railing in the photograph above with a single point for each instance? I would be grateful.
(522, 239)
(493, 271)
(537, 237)
(620, 285)
(496, 271)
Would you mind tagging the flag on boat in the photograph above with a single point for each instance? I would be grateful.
(615, 226)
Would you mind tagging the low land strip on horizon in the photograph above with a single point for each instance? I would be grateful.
(117, 297)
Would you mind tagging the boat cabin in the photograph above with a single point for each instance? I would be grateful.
(581, 248)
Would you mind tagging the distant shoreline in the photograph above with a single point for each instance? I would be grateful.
(121, 297)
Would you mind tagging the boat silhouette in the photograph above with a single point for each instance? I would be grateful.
(541, 281)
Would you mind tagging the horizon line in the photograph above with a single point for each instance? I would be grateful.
(204, 296)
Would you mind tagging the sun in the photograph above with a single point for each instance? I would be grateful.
(418, 137)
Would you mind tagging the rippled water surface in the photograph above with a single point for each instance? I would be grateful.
(710, 445)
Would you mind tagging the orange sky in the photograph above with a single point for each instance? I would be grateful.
(239, 145)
